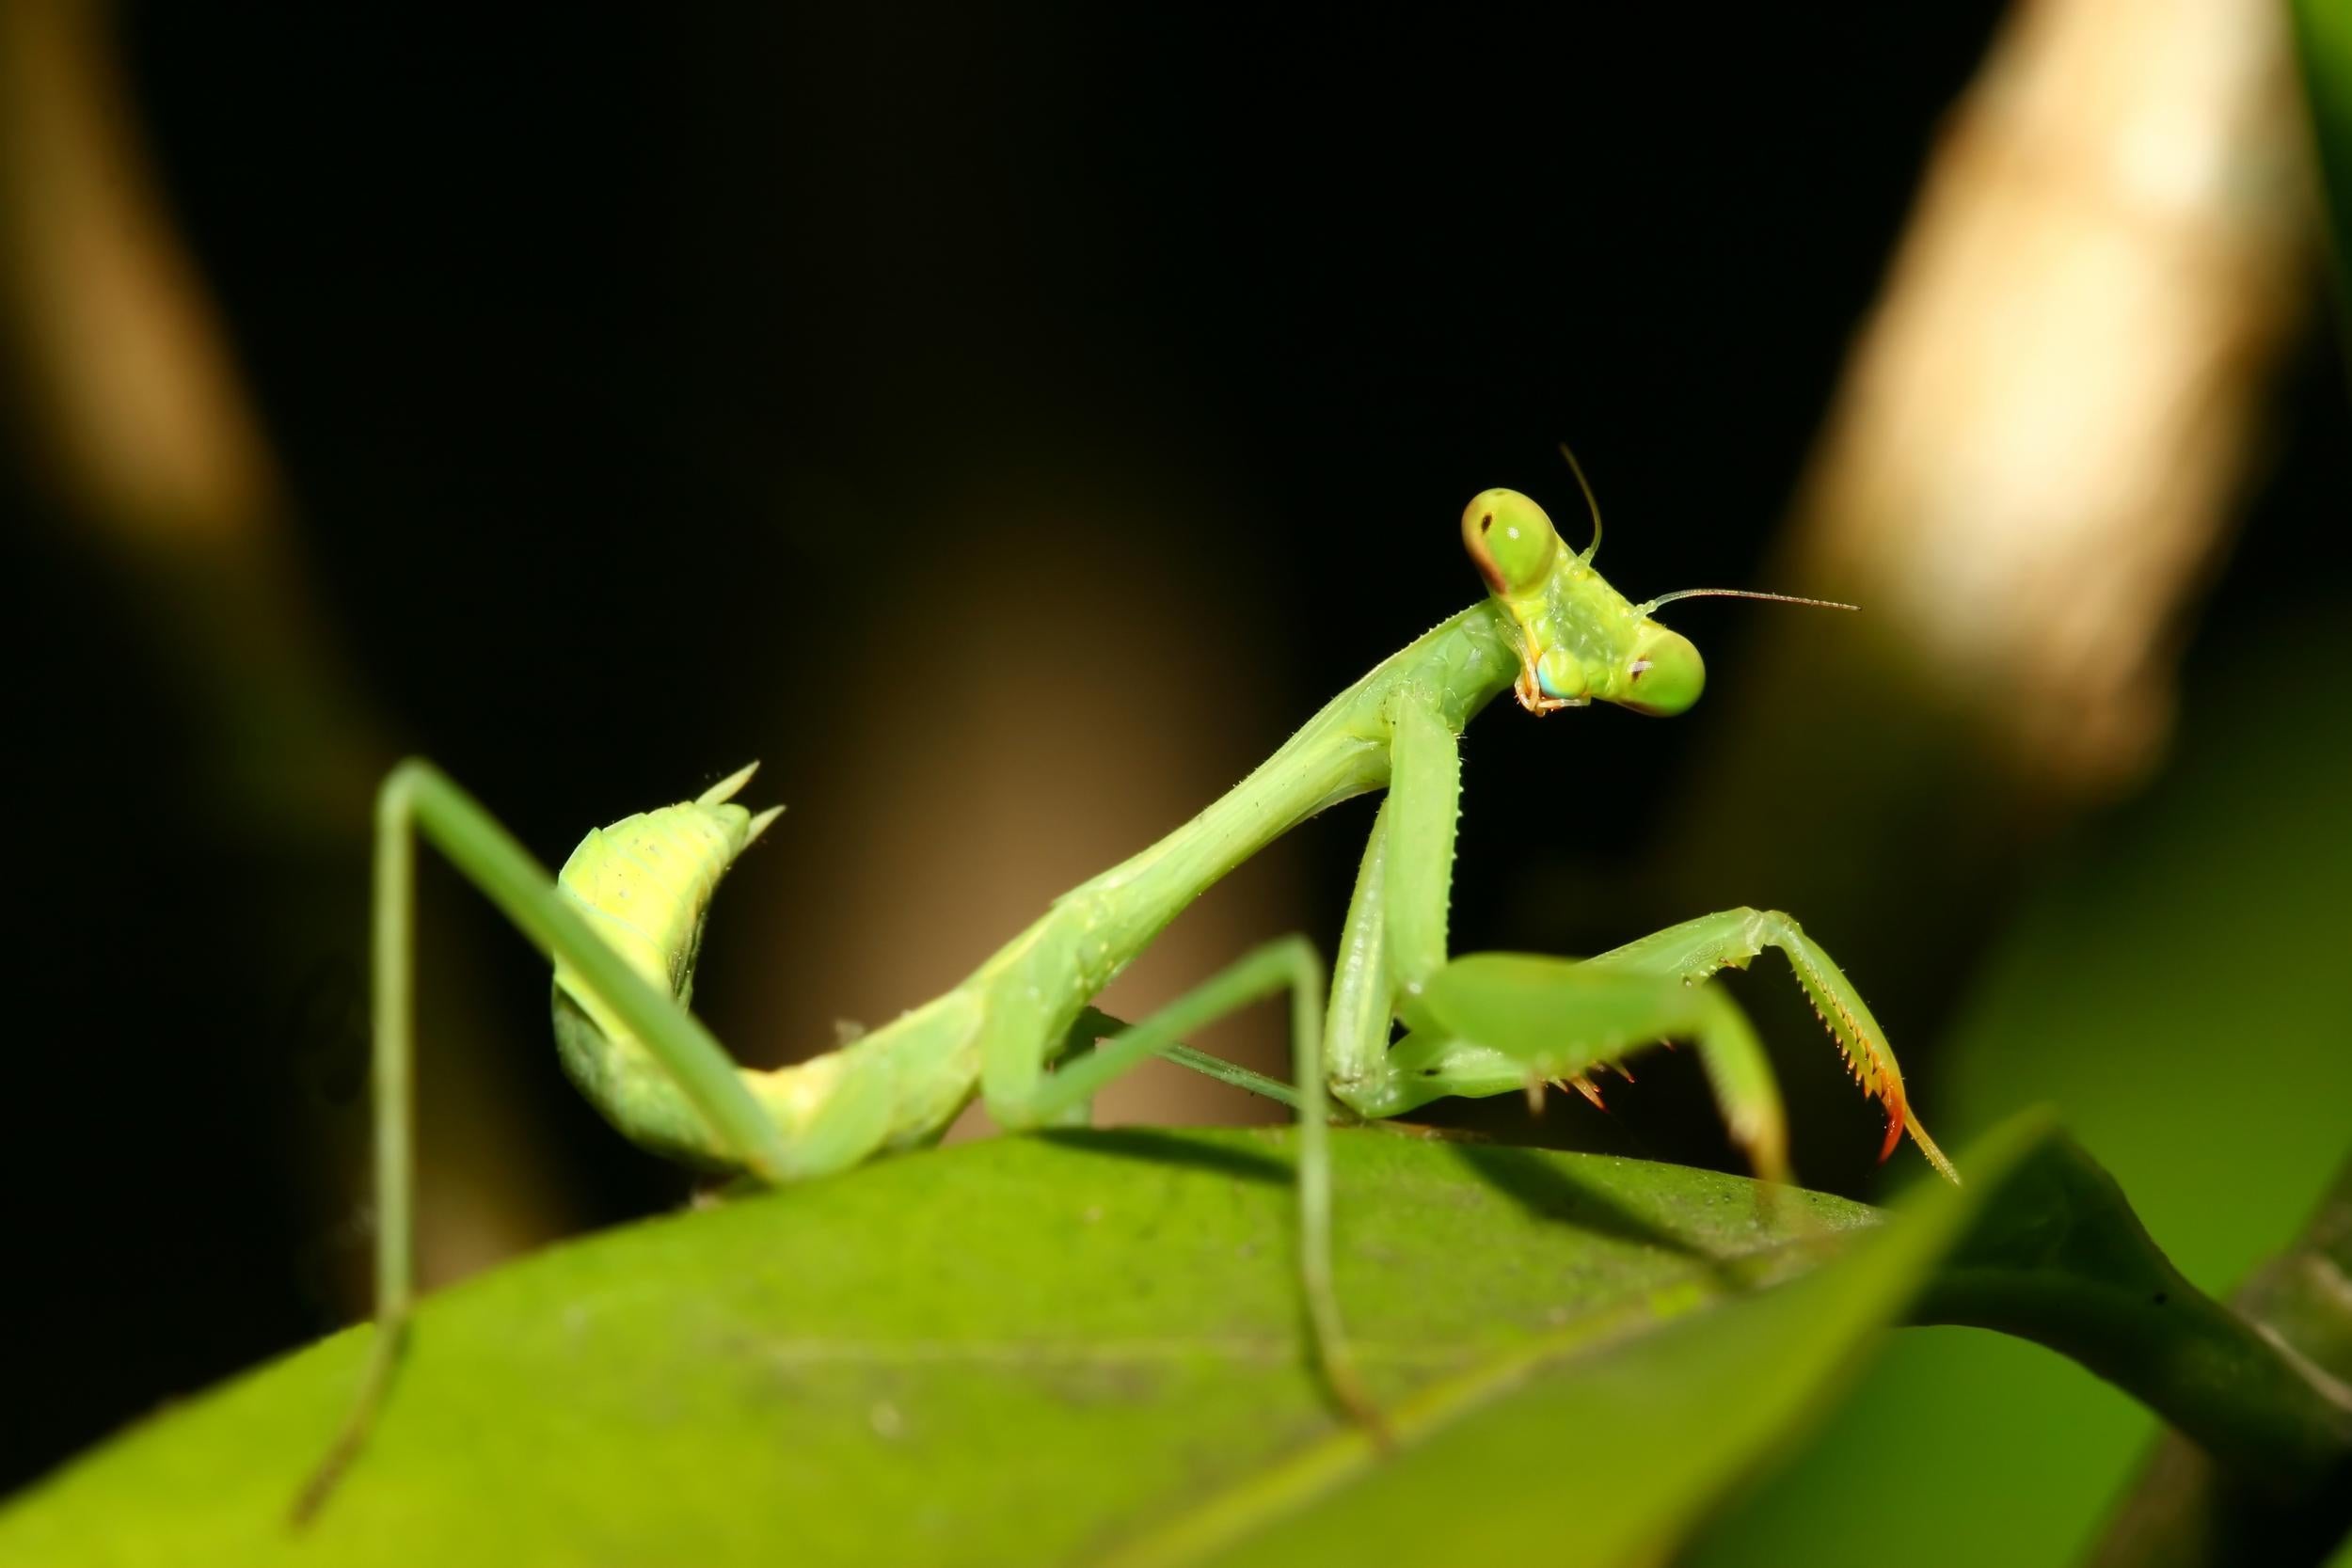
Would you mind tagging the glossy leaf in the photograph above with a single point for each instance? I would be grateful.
(1081, 1347)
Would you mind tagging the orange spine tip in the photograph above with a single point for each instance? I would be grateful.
(1895, 1118)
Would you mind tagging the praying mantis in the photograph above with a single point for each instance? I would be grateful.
(623, 923)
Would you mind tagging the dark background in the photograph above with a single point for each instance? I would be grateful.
(615, 367)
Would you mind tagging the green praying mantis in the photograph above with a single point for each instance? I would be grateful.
(624, 919)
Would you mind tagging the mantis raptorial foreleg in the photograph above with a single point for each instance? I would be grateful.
(1362, 979)
(1698, 948)
(1394, 936)
(1424, 804)
(1489, 1025)
(1492, 1023)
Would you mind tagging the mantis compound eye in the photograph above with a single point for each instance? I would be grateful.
(1510, 539)
(1561, 675)
(1665, 676)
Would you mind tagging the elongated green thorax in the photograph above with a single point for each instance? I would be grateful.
(1580, 640)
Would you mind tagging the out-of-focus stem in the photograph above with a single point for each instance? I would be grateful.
(2028, 473)
(2041, 436)
(2188, 1509)
(2062, 1259)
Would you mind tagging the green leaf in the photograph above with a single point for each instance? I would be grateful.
(1070, 1348)
(1615, 1454)
(2323, 36)
(2062, 1260)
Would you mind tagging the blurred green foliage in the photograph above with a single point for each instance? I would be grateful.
(2176, 988)
(2323, 36)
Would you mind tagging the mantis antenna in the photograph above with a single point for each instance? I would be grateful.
(1592, 549)
(1737, 593)
(1590, 504)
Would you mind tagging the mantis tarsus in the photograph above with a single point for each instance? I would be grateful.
(624, 919)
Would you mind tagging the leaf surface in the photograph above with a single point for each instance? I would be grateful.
(1068, 1348)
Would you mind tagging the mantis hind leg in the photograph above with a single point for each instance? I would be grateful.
(1288, 963)
(418, 800)
(1698, 948)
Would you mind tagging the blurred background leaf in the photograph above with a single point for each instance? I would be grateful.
(2323, 36)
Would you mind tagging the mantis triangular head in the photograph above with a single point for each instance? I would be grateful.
(1580, 640)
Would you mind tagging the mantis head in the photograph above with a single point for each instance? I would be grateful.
(1580, 640)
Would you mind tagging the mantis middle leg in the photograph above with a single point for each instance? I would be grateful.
(1288, 963)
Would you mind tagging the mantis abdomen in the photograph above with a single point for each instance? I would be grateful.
(645, 884)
